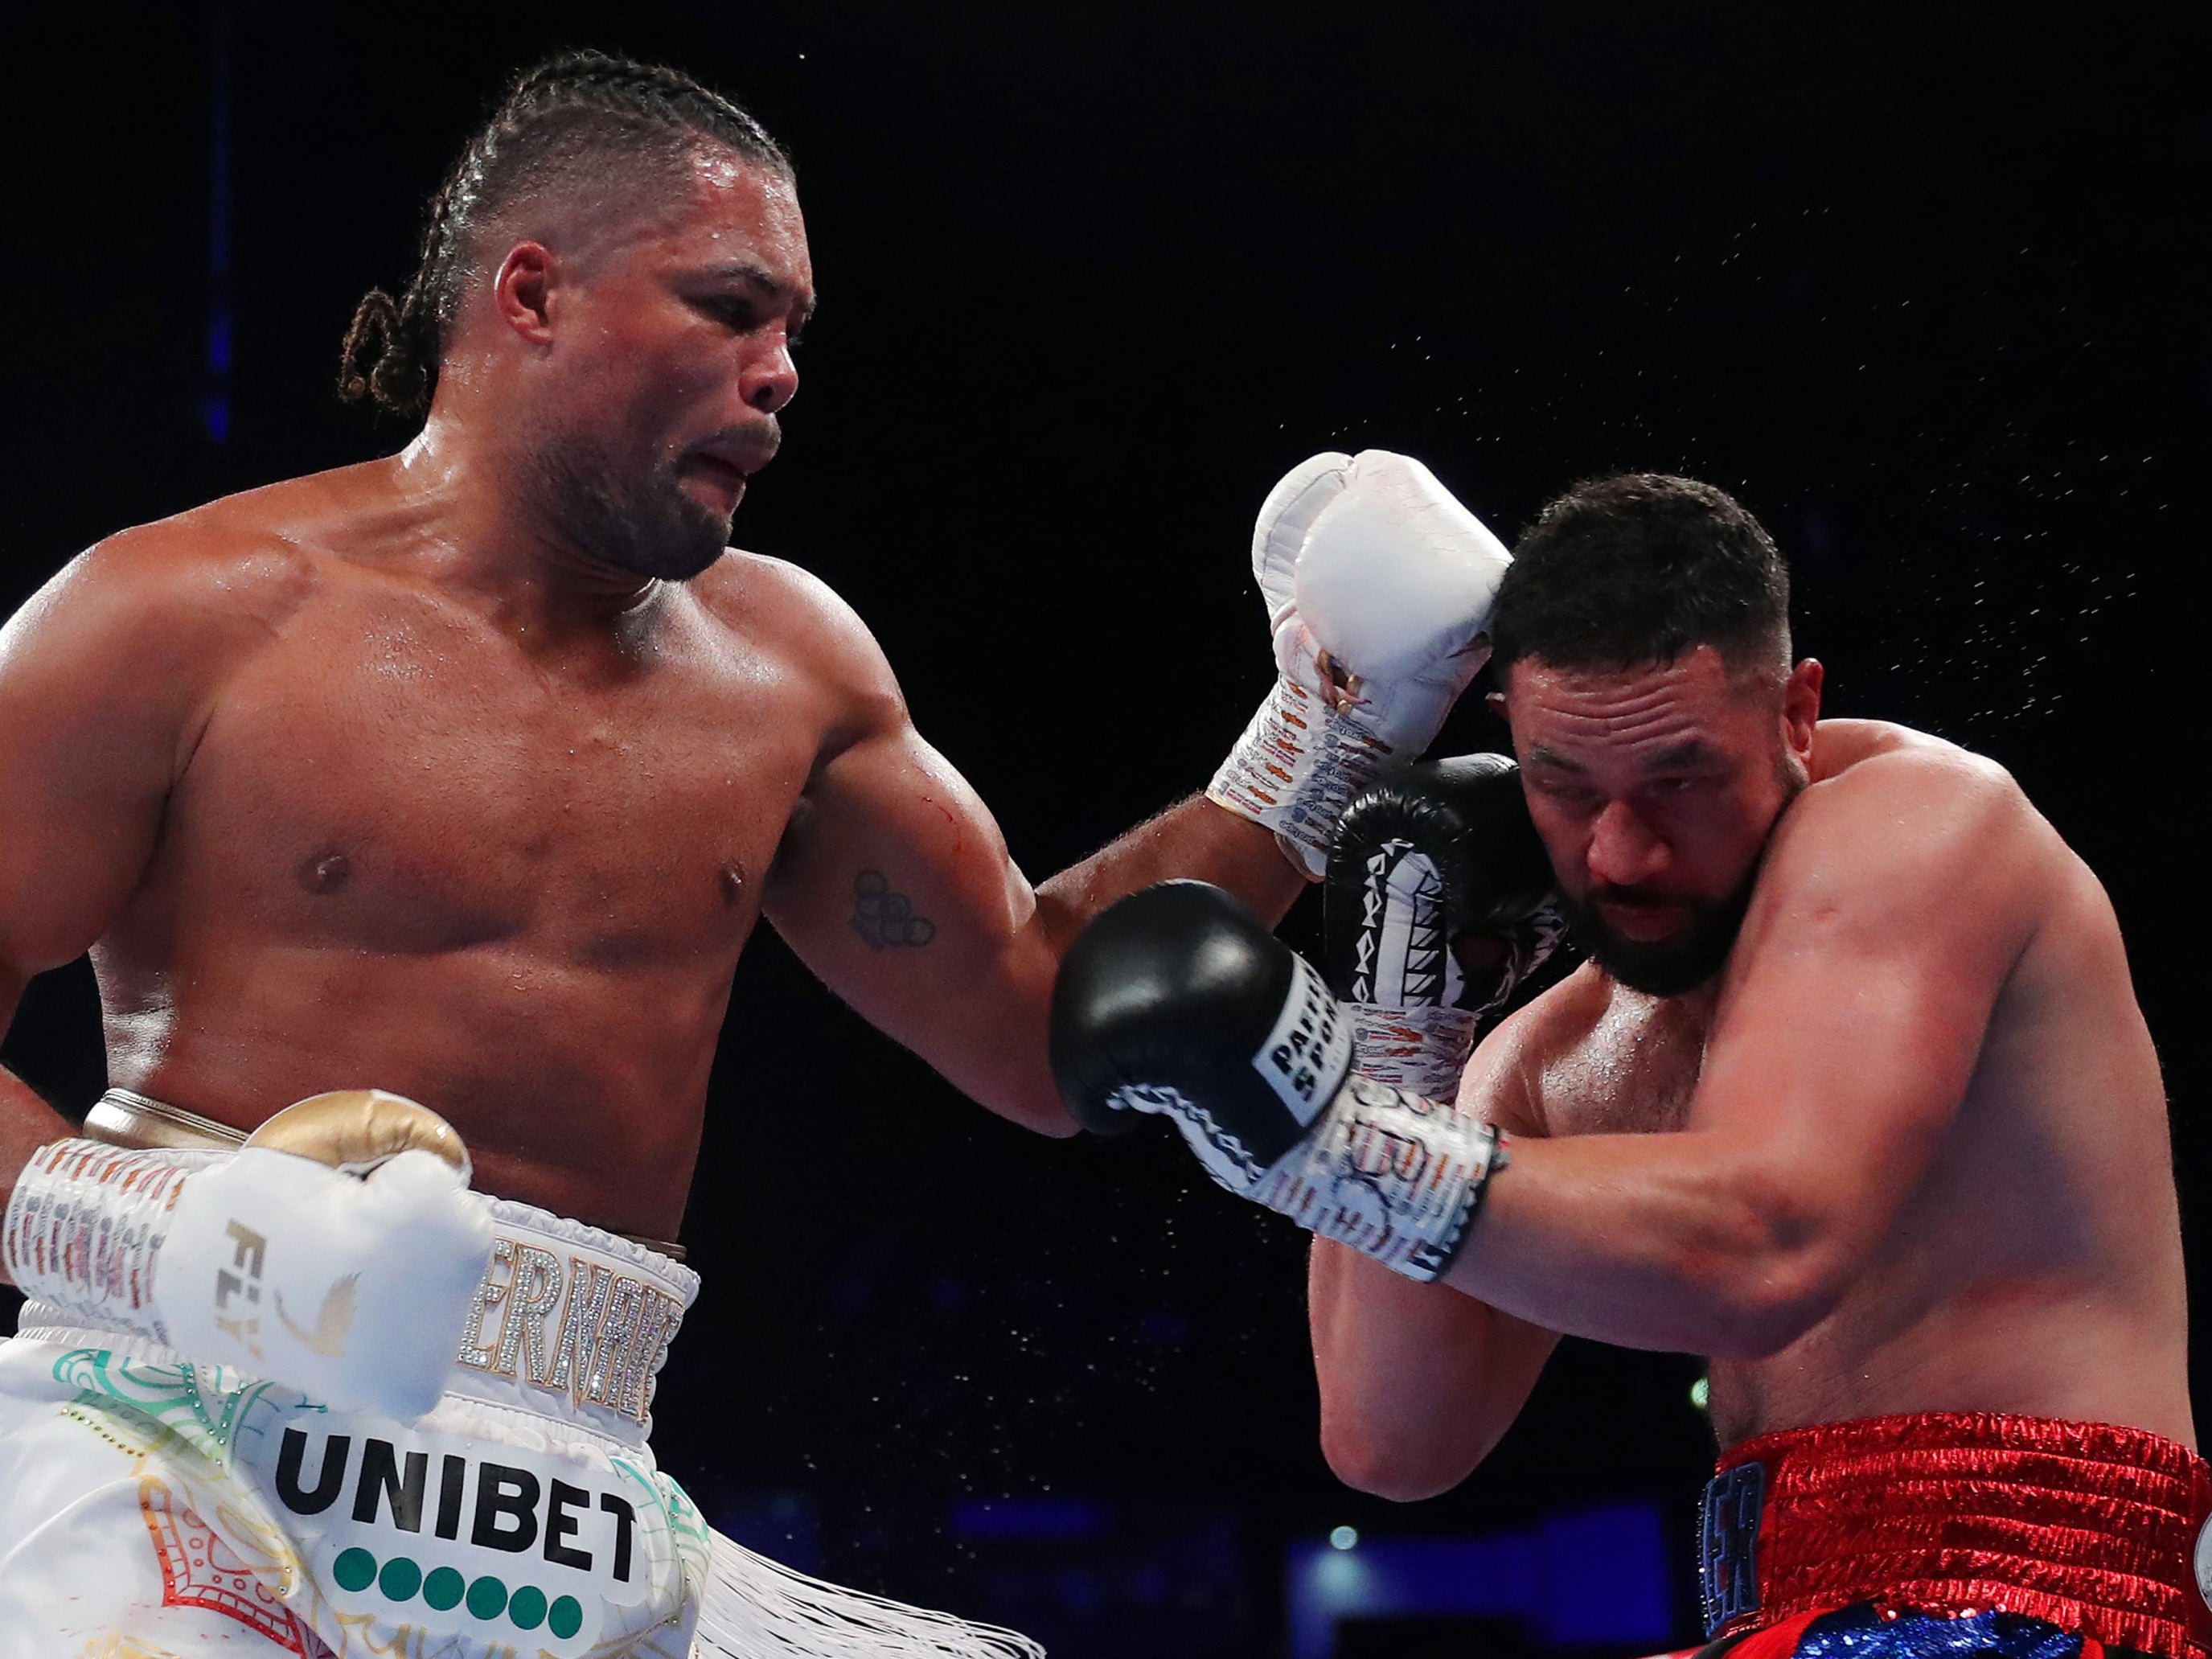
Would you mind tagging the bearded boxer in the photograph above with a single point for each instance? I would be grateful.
(467, 773)
(1852, 1096)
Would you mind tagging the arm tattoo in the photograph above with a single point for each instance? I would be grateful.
(884, 920)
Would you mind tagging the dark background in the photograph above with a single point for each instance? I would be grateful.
(1925, 286)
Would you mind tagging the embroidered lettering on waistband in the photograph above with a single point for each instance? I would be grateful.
(1727, 1566)
(612, 1332)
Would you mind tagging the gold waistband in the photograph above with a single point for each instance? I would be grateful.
(122, 1117)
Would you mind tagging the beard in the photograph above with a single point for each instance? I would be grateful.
(644, 523)
(1662, 967)
(1669, 967)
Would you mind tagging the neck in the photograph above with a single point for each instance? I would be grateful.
(482, 533)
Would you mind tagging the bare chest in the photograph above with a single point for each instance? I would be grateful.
(398, 782)
(1632, 1072)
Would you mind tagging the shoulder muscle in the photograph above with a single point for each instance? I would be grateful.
(804, 620)
(1922, 849)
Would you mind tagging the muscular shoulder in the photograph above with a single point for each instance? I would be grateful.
(1907, 806)
(166, 606)
(1911, 834)
(801, 617)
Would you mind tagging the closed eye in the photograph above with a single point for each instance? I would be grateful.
(739, 314)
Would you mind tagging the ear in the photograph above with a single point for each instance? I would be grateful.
(1801, 707)
(523, 291)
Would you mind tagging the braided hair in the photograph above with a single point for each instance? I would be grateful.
(562, 123)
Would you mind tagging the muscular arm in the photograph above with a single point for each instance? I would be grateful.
(99, 680)
(1418, 1382)
(895, 885)
(1896, 900)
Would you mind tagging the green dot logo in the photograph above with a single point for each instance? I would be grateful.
(527, 1607)
(400, 1579)
(355, 1570)
(487, 1597)
(566, 1618)
(444, 1588)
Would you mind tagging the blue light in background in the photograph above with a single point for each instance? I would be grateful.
(1027, 1517)
(214, 397)
(1596, 1575)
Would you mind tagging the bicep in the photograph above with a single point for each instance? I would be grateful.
(88, 749)
(1838, 1062)
(1418, 1383)
(895, 886)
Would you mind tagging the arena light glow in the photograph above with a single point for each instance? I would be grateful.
(1343, 1538)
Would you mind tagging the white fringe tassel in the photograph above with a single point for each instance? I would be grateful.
(754, 1610)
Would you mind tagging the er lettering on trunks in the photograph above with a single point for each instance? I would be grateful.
(1728, 1563)
(579, 1329)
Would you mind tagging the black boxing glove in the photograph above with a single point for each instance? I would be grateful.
(1444, 853)
(1178, 1001)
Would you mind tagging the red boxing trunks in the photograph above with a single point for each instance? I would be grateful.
(1907, 1535)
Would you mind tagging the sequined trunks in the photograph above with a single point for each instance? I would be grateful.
(1900, 1537)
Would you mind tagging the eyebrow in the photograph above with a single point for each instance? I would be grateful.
(1687, 752)
(757, 278)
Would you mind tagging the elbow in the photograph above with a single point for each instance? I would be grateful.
(1764, 1299)
(1761, 1320)
(1021, 1093)
(1041, 1109)
(1056, 1123)
(1386, 1467)
(1776, 1266)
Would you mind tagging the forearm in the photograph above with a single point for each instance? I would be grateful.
(1671, 1243)
(1418, 1383)
(27, 1122)
(1194, 840)
(1009, 1071)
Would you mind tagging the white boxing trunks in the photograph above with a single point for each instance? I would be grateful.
(151, 1507)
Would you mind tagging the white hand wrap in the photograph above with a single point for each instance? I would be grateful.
(1422, 1049)
(1388, 1173)
(353, 1291)
(1379, 585)
(1382, 1169)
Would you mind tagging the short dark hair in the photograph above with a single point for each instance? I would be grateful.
(563, 124)
(1640, 568)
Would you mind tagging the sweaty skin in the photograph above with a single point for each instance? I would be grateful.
(1908, 1152)
(390, 776)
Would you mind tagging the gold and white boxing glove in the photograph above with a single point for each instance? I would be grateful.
(1379, 586)
(336, 1252)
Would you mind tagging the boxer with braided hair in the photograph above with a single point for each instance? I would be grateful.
(467, 771)
(583, 121)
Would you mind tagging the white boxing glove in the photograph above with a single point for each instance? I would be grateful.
(1379, 586)
(337, 1252)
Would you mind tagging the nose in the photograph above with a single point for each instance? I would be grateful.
(1623, 851)
(770, 379)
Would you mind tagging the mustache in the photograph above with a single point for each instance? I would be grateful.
(749, 445)
(1631, 898)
